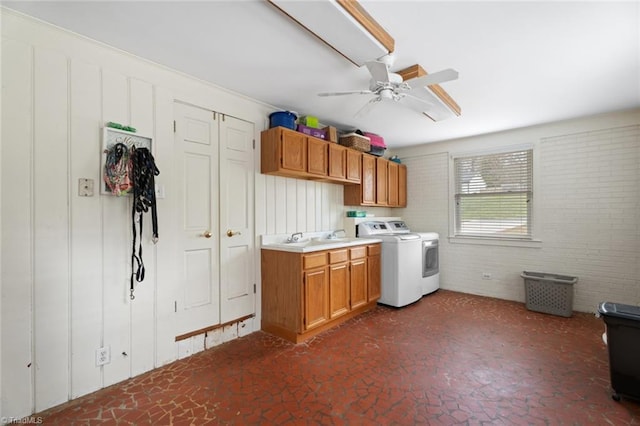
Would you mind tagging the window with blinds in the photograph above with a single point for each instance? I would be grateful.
(494, 195)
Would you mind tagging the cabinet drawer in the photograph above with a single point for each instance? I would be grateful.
(338, 256)
(358, 252)
(314, 260)
(373, 250)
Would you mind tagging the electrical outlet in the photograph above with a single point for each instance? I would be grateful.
(486, 276)
(103, 356)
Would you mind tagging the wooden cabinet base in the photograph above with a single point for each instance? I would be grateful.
(301, 337)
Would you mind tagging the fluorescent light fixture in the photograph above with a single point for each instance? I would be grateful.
(343, 25)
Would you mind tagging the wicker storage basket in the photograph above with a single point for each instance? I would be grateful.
(356, 141)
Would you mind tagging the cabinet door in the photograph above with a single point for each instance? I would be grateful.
(392, 180)
(339, 289)
(317, 153)
(354, 166)
(358, 283)
(368, 179)
(373, 276)
(381, 182)
(316, 297)
(402, 185)
(294, 151)
(337, 161)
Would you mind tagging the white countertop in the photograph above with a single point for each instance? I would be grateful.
(312, 241)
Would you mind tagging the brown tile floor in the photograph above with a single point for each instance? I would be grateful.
(449, 359)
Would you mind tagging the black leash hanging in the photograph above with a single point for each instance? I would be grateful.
(143, 172)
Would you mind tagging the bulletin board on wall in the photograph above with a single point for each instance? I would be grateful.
(112, 137)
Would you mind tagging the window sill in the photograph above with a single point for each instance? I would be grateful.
(489, 241)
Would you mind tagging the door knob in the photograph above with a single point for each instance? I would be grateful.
(230, 233)
(207, 234)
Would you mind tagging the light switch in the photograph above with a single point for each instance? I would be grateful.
(85, 187)
(159, 191)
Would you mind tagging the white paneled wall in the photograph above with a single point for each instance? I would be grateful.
(587, 199)
(65, 258)
(292, 205)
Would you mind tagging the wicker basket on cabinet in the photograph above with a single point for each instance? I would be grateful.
(356, 141)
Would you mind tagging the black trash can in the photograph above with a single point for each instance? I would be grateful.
(623, 340)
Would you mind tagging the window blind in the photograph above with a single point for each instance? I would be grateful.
(493, 194)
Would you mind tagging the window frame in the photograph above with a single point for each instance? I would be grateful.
(533, 208)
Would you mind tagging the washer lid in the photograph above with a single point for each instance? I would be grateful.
(399, 237)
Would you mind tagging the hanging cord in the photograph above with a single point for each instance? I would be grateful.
(116, 169)
(143, 171)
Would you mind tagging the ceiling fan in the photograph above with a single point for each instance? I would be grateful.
(389, 86)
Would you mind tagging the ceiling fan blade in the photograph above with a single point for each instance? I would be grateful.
(426, 103)
(435, 78)
(353, 92)
(367, 107)
(378, 71)
(418, 101)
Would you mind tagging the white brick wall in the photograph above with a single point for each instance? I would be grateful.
(588, 211)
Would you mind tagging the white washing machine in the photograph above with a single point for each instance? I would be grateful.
(402, 281)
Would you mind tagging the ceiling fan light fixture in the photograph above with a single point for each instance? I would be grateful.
(386, 93)
(344, 25)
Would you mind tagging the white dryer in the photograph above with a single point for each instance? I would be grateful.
(430, 262)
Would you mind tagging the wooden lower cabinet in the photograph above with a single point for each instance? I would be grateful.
(316, 297)
(358, 257)
(304, 294)
(339, 289)
(374, 274)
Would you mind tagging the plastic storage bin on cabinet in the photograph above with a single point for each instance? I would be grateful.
(549, 293)
(623, 341)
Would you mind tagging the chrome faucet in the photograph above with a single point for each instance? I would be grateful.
(333, 236)
(294, 237)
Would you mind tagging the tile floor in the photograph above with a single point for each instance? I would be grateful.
(448, 359)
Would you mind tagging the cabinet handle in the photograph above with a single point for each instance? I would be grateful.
(231, 233)
(207, 234)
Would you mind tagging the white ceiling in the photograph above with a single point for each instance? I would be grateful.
(520, 63)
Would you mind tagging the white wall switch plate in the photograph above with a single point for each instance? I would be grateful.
(159, 191)
(85, 187)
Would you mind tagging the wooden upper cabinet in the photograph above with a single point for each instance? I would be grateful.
(382, 194)
(294, 155)
(354, 166)
(317, 153)
(283, 152)
(402, 185)
(384, 183)
(392, 184)
(368, 180)
(365, 193)
(337, 161)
